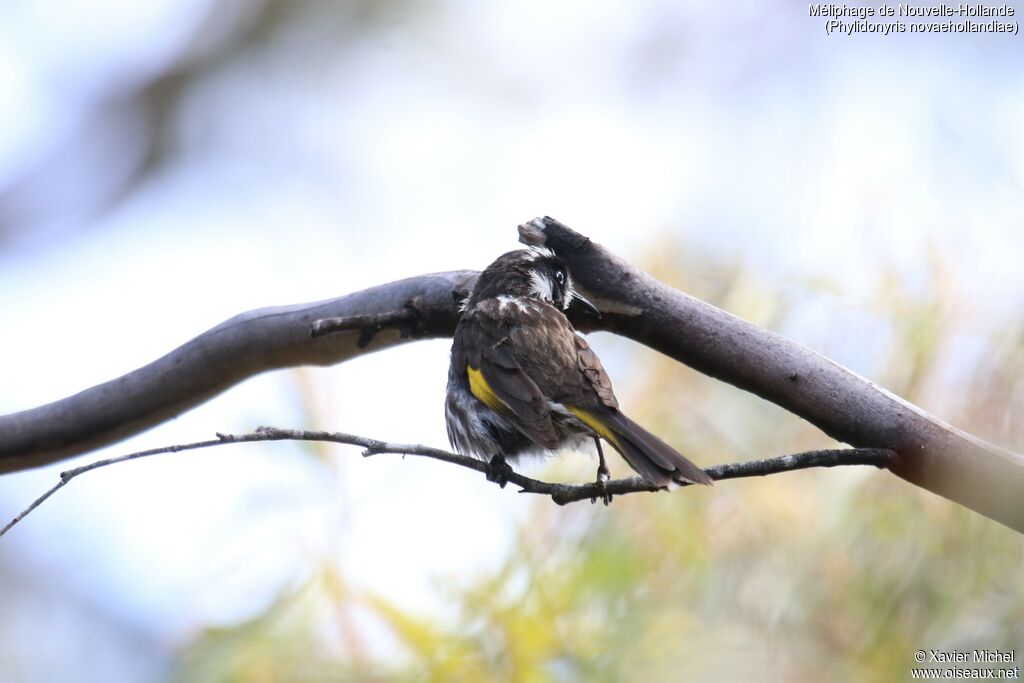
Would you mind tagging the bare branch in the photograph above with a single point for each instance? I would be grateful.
(239, 348)
(559, 493)
(875, 457)
(931, 454)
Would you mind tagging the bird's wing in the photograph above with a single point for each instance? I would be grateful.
(484, 351)
(593, 371)
(652, 458)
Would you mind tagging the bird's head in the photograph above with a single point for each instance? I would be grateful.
(535, 273)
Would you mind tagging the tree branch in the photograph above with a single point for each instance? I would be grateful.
(239, 348)
(930, 453)
(559, 493)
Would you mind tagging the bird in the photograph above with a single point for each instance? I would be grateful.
(522, 381)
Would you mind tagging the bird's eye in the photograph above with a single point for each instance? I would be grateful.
(560, 276)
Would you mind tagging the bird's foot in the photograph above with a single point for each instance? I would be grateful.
(603, 477)
(499, 471)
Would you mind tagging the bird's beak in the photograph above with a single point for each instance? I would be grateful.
(576, 296)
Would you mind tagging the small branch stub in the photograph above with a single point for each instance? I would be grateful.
(405, 320)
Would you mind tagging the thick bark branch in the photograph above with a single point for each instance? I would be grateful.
(250, 343)
(931, 454)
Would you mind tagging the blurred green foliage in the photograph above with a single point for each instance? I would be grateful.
(809, 576)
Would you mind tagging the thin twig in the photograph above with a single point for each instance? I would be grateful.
(561, 494)
(36, 503)
(406, 319)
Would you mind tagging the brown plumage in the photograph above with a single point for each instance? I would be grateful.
(521, 380)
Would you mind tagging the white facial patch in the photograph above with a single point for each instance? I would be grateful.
(541, 287)
(570, 293)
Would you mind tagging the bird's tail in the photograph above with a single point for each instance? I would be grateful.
(652, 458)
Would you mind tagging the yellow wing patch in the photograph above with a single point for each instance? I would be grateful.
(594, 423)
(479, 387)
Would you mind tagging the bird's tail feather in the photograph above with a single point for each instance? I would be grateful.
(652, 458)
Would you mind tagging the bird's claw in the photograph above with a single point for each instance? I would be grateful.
(499, 471)
(603, 477)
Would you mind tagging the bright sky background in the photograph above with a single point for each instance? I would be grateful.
(305, 169)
